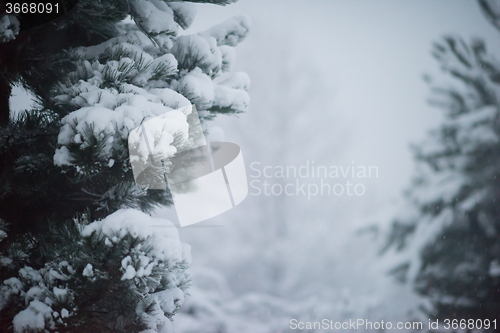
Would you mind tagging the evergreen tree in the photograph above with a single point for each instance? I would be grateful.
(449, 235)
(78, 253)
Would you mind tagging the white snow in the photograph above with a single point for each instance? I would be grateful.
(9, 28)
(212, 307)
(185, 12)
(29, 273)
(476, 129)
(228, 57)
(61, 294)
(113, 125)
(231, 98)
(160, 234)
(33, 317)
(169, 299)
(64, 313)
(160, 133)
(163, 302)
(196, 51)
(238, 80)
(88, 271)
(62, 156)
(231, 91)
(494, 268)
(4, 261)
(230, 32)
(130, 273)
(198, 87)
(156, 18)
(33, 293)
(170, 98)
(14, 284)
(134, 83)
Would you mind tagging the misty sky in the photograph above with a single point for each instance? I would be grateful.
(370, 56)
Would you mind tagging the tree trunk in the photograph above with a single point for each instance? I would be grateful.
(5, 91)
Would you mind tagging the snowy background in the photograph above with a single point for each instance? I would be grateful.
(338, 83)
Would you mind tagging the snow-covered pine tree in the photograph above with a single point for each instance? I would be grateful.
(78, 251)
(449, 235)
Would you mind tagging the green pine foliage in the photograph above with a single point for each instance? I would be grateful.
(78, 252)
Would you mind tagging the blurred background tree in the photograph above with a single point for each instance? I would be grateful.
(449, 236)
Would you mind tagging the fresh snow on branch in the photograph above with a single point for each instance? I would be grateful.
(137, 248)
